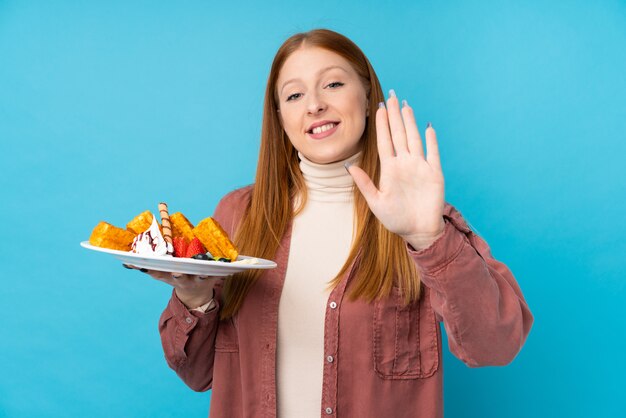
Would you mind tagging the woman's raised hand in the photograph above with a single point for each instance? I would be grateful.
(410, 197)
(193, 291)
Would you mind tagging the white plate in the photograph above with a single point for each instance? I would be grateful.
(184, 265)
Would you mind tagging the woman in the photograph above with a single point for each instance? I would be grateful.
(348, 323)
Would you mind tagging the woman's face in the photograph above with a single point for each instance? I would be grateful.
(322, 104)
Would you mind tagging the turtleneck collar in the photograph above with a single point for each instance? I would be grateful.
(328, 182)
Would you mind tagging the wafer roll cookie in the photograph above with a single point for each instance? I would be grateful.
(167, 227)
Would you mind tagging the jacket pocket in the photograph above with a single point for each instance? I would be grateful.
(226, 339)
(405, 338)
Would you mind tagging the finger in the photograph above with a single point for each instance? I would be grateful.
(165, 278)
(383, 136)
(364, 183)
(414, 140)
(432, 148)
(156, 274)
(161, 276)
(131, 267)
(398, 132)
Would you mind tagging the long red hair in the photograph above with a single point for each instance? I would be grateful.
(382, 261)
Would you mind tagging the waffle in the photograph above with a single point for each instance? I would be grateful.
(109, 236)
(181, 227)
(141, 223)
(215, 239)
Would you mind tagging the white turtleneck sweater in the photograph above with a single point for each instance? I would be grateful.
(321, 237)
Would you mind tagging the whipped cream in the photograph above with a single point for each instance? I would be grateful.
(151, 242)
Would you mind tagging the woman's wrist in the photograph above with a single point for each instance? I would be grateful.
(420, 242)
(192, 301)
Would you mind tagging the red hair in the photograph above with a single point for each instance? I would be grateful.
(383, 261)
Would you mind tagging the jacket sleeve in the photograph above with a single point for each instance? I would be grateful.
(482, 307)
(188, 337)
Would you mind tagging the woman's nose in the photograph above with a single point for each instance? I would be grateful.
(315, 104)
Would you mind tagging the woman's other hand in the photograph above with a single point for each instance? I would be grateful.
(193, 291)
(410, 198)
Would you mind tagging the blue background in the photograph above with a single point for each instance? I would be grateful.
(107, 108)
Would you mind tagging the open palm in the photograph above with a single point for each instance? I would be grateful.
(410, 198)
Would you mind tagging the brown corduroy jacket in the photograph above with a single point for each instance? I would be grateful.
(381, 359)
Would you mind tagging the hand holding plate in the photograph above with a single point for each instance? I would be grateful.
(192, 290)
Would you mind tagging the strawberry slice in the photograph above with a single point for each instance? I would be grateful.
(195, 247)
(180, 246)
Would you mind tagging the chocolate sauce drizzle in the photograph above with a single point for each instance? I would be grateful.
(152, 241)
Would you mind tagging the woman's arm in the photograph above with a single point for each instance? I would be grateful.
(482, 307)
(188, 339)
(188, 336)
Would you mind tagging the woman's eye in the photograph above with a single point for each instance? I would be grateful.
(334, 84)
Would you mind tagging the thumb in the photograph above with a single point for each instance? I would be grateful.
(363, 182)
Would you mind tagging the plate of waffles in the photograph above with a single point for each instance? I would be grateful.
(185, 265)
(175, 245)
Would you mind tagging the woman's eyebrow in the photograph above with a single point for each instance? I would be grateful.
(323, 70)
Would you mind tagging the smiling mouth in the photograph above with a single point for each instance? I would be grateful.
(323, 128)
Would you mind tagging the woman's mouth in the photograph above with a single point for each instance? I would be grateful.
(323, 131)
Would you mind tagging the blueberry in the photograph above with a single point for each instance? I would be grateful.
(225, 260)
(201, 257)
